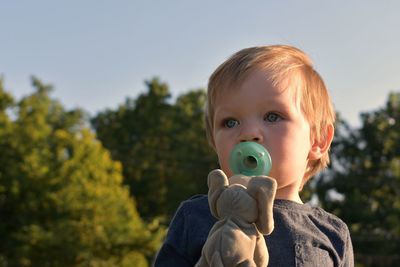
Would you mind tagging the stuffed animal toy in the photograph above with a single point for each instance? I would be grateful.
(243, 206)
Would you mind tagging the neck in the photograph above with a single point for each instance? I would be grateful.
(288, 193)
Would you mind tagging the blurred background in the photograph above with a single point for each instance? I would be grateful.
(101, 131)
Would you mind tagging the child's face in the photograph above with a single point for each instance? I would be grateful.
(258, 111)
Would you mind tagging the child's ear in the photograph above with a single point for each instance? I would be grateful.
(319, 148)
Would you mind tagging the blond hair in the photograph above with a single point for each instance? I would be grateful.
(285, 65)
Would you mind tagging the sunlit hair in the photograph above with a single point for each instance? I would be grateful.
(288, 68)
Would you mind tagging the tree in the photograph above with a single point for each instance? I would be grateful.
(363, 187)
(62, 202)
(193, 156)
(162, 147)
(137, 134)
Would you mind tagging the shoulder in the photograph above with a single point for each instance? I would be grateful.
(338, 234)
(331, 221)
(192, 212)
(312, 216)
(305, 226)
(196, 204)
(189, 229)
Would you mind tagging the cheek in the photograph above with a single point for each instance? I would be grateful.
(223, 158)
(303, 143)
(223, 152)
(295, 139)
(290, 148)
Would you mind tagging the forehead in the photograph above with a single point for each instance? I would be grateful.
(272, 84)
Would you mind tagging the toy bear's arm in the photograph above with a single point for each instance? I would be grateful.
(263, 189)
(217, 182)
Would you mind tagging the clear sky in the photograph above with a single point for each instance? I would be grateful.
(97, 53)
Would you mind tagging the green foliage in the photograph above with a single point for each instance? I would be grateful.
(62, 202)
(193, 157)
(161, 146)
(366, 174)
(137, 136)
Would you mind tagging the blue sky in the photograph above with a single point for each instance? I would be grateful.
(97, 53)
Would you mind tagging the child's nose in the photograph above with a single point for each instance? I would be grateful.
(254, 139)
(251, 134)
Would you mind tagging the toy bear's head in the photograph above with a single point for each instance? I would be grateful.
(236, 202)
(249, 199)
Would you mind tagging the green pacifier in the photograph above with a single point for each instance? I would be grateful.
(250, 159)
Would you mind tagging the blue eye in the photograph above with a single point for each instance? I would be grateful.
(230, 123)
(272, 117)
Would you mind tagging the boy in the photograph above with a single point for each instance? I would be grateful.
(273, 96)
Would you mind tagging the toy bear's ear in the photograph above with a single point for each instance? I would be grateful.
(263, 189)
(217, 182)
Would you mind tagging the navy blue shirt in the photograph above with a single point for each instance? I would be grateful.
(303, 236)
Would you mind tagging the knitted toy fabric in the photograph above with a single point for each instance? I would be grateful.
(243, 207)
